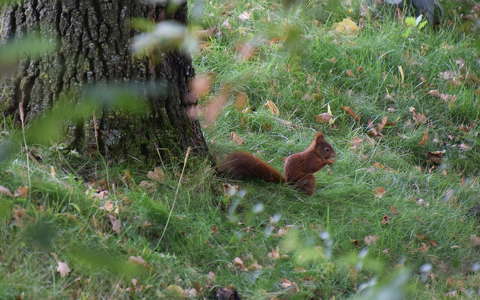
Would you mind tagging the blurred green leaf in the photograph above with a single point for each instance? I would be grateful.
(29, 46)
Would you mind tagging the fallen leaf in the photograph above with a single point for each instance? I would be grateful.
(137, 260)
(108, 206)
(385, 220)
(116, 224)
(272, 107)
(425, 137)
(445, 97)
(349, 111)
(63, 269)
(356, 142)
(323, 118)
(5, 191)
(211, 276)
(370, 239)
(349, 73)
(379, 192)
(238, 263)
(156, 175)
(191, 293)
(230, 189)
(289, 285)
(435, 157)
(236, 138)
(418, 117)
(423, 248)
(448, 75)
(245, 16)
(241, 101)
(393, 210)
(147, 185)
(346, 26)
(275, 253)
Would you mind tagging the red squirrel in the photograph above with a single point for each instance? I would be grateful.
(299, 167)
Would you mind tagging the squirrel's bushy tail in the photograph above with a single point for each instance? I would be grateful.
(243, 165)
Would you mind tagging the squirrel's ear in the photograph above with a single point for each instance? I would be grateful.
(319, 137)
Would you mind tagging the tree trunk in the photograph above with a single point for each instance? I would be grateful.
(94, 39)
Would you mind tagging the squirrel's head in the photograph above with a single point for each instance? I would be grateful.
(324, 149)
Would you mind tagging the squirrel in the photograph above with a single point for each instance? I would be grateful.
(298, 167)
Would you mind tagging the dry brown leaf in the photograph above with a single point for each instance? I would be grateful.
(272, 107)
(230, 189)
(156, 175)
(236, 138)
(382, 124)
(356, 142)
(108, 206)
(138, 260)
(238, 263)
(116, 224)
(425, 137)
(418, 117)
(244, 16)
(385, 220)
(445, 97)
(349, 73)
(147, 185)
(379, 192)
(241, 101)
(370, 239)
(275, 253)
(63, 268)
(5, 191)
(424, 247)
(435, 157)
(349, 111)
(393, 210)
(289, 285)
(323, 118)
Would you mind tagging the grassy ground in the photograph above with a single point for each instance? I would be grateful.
(394, 214)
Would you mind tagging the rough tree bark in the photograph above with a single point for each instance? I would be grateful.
(94, 39)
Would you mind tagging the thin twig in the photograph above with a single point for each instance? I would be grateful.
(176, 194)
(22, 119)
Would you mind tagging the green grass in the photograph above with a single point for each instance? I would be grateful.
(426, 205)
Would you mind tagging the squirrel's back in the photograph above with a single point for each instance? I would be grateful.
(243, 165)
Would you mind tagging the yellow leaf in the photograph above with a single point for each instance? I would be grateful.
(272, 107)
(346, 26)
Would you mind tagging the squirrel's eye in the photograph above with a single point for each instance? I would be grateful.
(327, 149)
